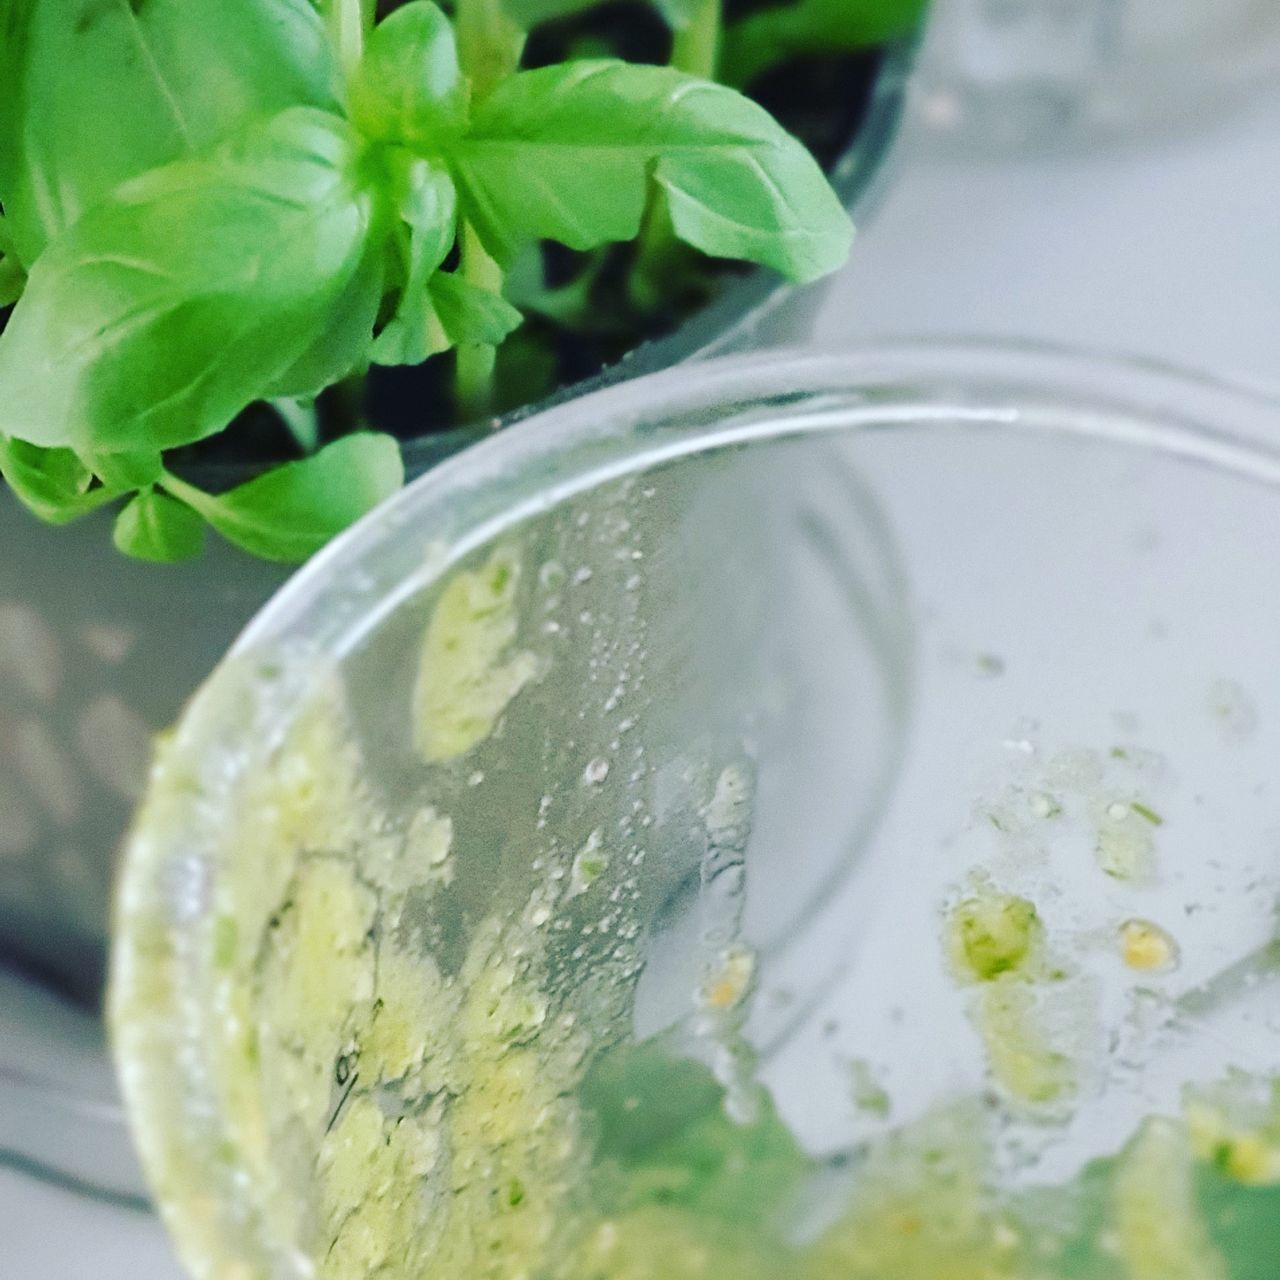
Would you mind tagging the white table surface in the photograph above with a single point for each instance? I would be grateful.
(1167, 247)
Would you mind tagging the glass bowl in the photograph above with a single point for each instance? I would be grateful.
(785, 816)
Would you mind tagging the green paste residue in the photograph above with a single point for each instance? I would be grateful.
(1235, 1126)
(475, 1123)
(1159, 1233)
(468, 1124)
(990, 934)
(408, 1103)
(1126, 843)
(468, 673)
(995, 942)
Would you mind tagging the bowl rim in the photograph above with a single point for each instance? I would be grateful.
(630, 427)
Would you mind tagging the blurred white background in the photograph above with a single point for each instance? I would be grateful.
(1145, 222)
(1125, 200)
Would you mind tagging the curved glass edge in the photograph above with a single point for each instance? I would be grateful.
(632, 427)
(160, 1006)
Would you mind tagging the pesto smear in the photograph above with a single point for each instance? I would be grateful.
(418, 1080)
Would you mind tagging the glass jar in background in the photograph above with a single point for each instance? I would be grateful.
(1027, 74)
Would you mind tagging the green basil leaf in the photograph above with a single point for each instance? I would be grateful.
(429, 212)
(291, 512)
(126, 469)
(765, 205)
(93, 92)
(191, 292)
(567, 153)
(469, 314)
(155, 527)
(53, 483)
(449, 312)
(408, 87)
(660, 1123)
(768, 36)
(343, 327)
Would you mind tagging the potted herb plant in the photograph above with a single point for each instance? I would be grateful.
(251, 248)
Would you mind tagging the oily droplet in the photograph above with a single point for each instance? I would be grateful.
(1147, 948)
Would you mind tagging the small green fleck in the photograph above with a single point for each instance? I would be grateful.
(869, 1095)
(515, 1194)
(590, 864)
(1149, 814)
(501, 574)
(992, 934)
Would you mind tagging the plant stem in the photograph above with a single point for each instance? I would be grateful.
(300, 418)
(178, 488)
(489, 44)
(695, 51)
(475, 387)
(348, 22)
(489, 49)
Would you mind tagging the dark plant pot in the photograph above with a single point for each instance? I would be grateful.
(98, 653)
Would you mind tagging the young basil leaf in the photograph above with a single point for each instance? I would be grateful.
(768, 36)
(291, 512)
(429, 212)
(469, 314)
(449, 312)
(52, 483)
(126, 469)
(155, 527)
(94, 93)
(408, 87)
(191, 292)
(566, 153)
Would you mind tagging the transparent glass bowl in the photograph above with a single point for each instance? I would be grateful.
(783, 816)
(98, 652)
